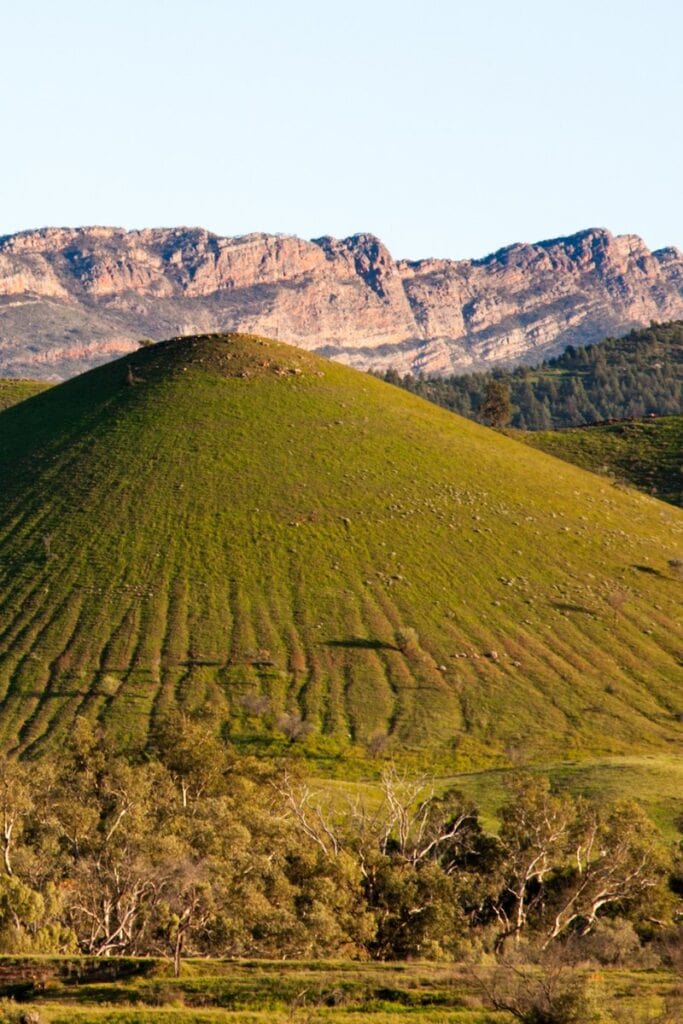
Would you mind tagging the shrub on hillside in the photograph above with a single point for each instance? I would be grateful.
(407, 640)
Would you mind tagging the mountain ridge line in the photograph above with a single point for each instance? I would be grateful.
(70, 298)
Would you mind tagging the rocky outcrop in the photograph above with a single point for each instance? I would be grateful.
(70, 298)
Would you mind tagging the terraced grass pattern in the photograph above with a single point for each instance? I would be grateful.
(311, 557)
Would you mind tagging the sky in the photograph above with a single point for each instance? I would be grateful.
(445, 127)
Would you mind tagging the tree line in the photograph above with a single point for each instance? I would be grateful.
(194, 849)
(634, 376)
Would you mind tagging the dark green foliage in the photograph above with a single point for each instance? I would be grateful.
(637, 375)
(495, 407)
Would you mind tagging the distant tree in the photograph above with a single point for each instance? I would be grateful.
(613, 861)
(562, 862)
(392, 377)
(187, 906)
(192, 754)
(496, 409)
(534, 835)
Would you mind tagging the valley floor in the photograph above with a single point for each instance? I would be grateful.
(80, 990)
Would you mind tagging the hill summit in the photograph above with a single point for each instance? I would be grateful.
(305, 555)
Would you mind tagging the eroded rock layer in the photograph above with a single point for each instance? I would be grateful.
(72, 298)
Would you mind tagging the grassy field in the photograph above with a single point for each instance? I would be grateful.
(645, 453)
(240, 529)
(14, 391)
(656, 781)
(251, 992)
(653, 780)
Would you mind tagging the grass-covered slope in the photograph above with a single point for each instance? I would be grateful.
(16, 390)
(645, 453)
(236, 526)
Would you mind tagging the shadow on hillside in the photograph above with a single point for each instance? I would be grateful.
(649, 570)
(193, 662)
(363, 643)
(562, 606)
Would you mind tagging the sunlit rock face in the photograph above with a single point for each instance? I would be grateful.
(72, 298)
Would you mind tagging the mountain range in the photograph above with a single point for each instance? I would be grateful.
(73, 298)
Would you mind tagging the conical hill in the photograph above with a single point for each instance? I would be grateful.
(307, 555)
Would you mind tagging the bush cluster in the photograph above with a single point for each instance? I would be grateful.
(194, 849)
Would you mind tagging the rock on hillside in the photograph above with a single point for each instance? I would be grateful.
(72, 298)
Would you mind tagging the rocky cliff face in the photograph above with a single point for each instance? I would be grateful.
(71, 298)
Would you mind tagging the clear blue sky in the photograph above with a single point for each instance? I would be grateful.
(448, 128)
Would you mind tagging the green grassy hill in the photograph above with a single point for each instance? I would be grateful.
(13, 391)
(645, 453)
(241, 529)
